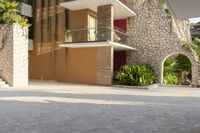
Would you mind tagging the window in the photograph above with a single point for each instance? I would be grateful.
(92, 25)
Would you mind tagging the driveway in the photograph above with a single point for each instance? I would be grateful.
(51, 107)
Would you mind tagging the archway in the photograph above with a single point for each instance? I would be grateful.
(177, 70)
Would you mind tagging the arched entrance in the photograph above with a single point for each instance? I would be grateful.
(177, 70)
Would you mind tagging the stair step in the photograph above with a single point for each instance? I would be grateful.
(4, 86)
(2, 82)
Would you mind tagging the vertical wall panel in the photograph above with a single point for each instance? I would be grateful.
(49, 23)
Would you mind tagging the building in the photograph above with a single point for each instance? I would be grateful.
(86, 41)
(195, 31)
(77, 42)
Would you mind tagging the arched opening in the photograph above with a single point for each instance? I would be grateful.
(177, 70)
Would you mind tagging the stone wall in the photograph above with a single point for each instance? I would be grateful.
(14, 54)
(156, 35)
(104, 65)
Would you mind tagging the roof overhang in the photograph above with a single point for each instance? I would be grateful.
(116, 46)
(184, 9)
(121, 11)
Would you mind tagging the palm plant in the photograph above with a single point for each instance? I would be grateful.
(177, 70)
(170, 66)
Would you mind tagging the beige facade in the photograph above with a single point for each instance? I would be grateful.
(48, 61)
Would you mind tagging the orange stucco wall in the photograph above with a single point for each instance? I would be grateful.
(81, 65)
(79, 18)
(66, 65)
(41, 66)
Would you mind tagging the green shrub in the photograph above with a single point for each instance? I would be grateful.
(9, 14)
(125, 75)
(177, 69)
(183, 63)
(170, 79)
(137, 75)
(193, 46)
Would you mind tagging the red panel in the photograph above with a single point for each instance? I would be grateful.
(124, 1)
(119, 60)
(120, 24)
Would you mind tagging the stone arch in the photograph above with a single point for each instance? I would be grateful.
(190, 56)
(156, 38)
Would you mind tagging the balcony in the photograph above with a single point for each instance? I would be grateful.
(122, 10)
(91, 37)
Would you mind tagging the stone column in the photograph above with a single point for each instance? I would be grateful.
(105, 22)
(14, 54)
(104, 65)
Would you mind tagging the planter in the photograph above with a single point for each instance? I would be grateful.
(14, 54)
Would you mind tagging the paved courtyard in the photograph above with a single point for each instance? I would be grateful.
(51, 107)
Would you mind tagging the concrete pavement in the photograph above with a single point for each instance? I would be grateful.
(51, 107)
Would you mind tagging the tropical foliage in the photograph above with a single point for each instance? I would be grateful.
(9, 14)
(170, 79)
(193, 46)
(137, 75)
(177, 70)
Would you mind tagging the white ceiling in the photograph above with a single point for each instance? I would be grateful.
(121, 11)
(184, 9)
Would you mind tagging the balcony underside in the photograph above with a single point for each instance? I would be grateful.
(116, 46)
(121, 10)
(184, 9)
